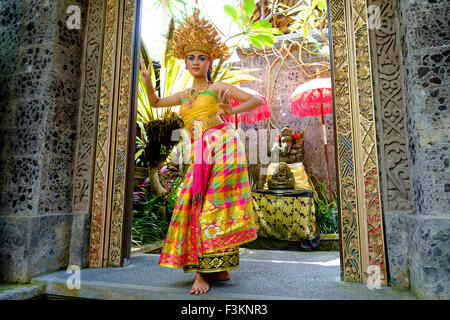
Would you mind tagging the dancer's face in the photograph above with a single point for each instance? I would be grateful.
(197, 64)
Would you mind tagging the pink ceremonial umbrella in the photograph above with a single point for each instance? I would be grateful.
(314, 98)
(258, 114)
(310, 97)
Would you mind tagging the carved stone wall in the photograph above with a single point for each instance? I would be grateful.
(425, 41)
(40, 76)
(88, 104)
(391, 111)
(411, 51)
(86, 133)
(392, 136)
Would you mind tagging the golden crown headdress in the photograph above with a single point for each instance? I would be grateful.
(197, 35)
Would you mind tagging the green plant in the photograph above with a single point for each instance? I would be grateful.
(313, 19)
(151, 212)
(259, 33)
(147, 225)
(326, 209)
(305, 17)
(148, 228)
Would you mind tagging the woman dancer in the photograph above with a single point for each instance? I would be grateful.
(214, 212)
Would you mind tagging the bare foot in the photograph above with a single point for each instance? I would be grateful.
(220, 276)
(201, 284)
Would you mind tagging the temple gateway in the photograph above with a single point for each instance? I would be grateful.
(68, 133)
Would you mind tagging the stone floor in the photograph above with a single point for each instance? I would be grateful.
(263, 275)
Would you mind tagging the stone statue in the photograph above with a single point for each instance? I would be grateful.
(299, 146)
(282, 178)
(286, 158)
(289, 148)
(286, 143)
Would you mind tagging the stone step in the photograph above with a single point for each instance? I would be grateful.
(263, 274)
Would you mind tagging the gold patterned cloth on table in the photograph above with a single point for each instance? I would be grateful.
(285, 214)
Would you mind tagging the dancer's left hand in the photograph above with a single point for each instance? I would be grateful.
(224, 103)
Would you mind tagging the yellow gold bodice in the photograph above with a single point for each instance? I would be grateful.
(204, 108)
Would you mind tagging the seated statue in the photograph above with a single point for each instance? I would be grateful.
(290, 150)
(282, 178)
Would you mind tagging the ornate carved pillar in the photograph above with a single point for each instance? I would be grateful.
(390, 109)
(106, 113)
(87, 122)
(361, 232)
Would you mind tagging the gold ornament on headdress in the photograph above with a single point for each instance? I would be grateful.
(198, 35)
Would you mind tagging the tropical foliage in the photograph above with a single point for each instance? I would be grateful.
(170, 8)
(307, 17)
(259, 33)
(147, 225)
(152, 213)
(154, 139)
(326, 209)
(313, 19)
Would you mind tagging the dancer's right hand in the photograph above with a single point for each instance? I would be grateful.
(146, 73)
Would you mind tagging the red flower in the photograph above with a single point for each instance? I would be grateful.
(295, 135)
(277, 136)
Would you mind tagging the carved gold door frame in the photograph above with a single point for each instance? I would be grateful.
(361, 225)
(360, 211)
(112, 190)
